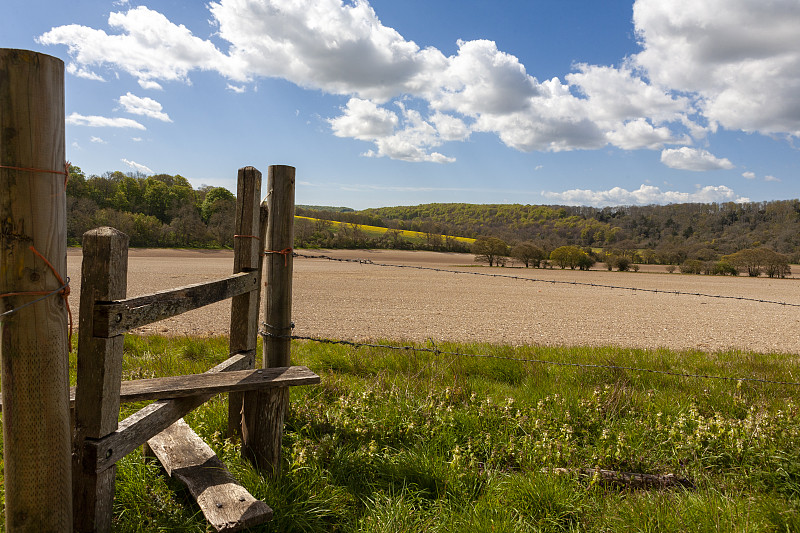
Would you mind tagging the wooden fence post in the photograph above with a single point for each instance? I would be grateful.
(35, 382)
(262, 423)
(104, 275)
(247, 256)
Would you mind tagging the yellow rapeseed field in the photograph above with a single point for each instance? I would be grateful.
(377, 230)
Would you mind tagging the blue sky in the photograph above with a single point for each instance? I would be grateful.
(387, 102)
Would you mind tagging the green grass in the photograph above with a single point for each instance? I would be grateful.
(396, 441)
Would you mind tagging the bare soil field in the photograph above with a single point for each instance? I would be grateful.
(356, 301)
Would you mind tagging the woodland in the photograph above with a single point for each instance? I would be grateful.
(166, 211)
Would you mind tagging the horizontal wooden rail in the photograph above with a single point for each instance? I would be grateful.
(134, 391)
(194, 384)
(120, 316)
(158, 416)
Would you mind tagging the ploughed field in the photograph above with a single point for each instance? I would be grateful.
(353, 301)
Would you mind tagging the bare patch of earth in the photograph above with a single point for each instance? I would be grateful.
(359, 301)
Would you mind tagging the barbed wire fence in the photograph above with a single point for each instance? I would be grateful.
(433, 349)
(551, 281)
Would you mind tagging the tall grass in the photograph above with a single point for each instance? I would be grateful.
(412, 441)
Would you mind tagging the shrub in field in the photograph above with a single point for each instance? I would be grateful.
(622, 263)
(528, 254)
(692, 266)
(724, 268)
(586, 261)
(757, 260)
(572, 257)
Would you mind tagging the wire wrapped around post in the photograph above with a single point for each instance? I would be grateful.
(286, 252)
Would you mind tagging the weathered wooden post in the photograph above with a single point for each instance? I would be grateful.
(262, 423)
(104, 277)
(33, 263)
(247, 256)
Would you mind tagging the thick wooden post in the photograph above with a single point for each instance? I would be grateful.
(35, 382)
(262, 423)
(104, 274)
(247, 256)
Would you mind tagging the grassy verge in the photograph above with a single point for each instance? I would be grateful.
(410, 441)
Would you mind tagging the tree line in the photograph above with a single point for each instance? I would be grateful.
(166, 211)
(154, 211)
(674, 232)
(319, 232)
(162, 210)
(750, 261)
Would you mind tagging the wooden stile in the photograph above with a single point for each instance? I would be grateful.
(156, 417)
(57, 479)
(99, 440)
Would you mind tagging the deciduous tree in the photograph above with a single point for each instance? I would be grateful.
(489, 250)
(528, 254)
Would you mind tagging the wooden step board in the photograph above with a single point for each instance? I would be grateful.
(210, 383)
(187, 458)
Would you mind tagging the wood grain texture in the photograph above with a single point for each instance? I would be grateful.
(117, 317)
(279, 267)
(150, 421)
(225, 503)
(195, 384)
(36, 430)
(264, 411)
(247, 256)
(169, 387)
(103, 277)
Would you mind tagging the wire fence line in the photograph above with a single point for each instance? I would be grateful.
(554, 282)
(437, 351)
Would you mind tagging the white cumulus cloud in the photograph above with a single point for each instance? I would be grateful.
(76, 119)
(644, 195)
(741, 58)
(339, 47)
(728, 63)
(364, 120)
(617, 94)
(149, 47)
(137, 166)
(143, 106)
(686, 158)
(640, 133)
(82, 72)
(150, 84)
